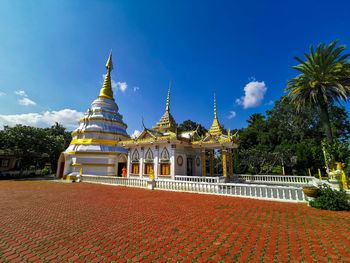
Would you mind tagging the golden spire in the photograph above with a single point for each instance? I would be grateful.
(215, 128)
(168, 99)
(215, 115)
(166, 122)
(106, 91)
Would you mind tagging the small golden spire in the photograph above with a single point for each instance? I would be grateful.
(168, 99)
(215, 115)
(109, 64)
(106, 91)
(215, 128)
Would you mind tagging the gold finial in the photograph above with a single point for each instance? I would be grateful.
(106, 91)
(109, 64)
(168, 99)
(215, 127)
(215, 115)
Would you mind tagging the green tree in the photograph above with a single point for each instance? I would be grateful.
(192, 126)
(293, 137)
(324, 79)
(35, 146)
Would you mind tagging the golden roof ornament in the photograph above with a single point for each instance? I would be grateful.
(215, 128)
(166, 122)
(106, 91)
(168, 100)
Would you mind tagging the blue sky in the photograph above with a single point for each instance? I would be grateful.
(53, 53)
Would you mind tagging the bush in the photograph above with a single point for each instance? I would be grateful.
(330, 199)
(45, 170)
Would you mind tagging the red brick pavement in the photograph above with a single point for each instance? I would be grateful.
(42, 221)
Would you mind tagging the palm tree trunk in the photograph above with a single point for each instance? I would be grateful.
(325, 122)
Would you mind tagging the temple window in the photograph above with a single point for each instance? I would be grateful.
(135, 169)
(148, 168)
(164, 169)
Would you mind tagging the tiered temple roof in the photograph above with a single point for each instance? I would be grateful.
(166, 122)
(166, 131)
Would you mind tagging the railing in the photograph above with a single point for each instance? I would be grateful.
(266, 192)
(200, 179)
(135, 182)
(274, 179)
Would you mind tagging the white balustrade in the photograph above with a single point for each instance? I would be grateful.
(266, 192)
(256, 191)
(274, 179)
(136, 182)
(199, 179)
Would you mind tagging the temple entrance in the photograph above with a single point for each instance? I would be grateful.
(122, 161)
(60, 166)
(189, 166)
(120, 169)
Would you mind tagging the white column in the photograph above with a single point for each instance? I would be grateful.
(172, 161)
(156, 160)
(141, 162)
(128, 164)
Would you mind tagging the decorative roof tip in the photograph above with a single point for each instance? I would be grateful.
(106, 91)
(168, 100)
(109, 64)
(215, 115)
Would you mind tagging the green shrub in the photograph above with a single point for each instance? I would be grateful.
(330, 199)
(45, 170)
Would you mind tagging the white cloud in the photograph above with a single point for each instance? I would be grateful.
(2, 93)
(67, 117)
(21, 93)
(271, 102)
(135, 134)
(114, 84)
(26, 102)
(232, 115)
(122, 86)
(254, 94)
(136, 89)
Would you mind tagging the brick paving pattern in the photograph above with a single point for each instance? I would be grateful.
(43, 221)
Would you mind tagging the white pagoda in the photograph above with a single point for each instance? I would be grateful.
(95, 148)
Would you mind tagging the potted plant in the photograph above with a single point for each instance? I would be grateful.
(311, 191)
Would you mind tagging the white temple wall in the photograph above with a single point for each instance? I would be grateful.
(180, 169)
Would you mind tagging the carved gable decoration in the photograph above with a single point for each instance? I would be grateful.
(149, 155)
(135, 156)
(165, 154)
(145, 135)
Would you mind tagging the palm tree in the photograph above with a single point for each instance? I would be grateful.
(324, 79)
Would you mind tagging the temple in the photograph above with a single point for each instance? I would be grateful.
(95, 148)
(165, 152)
(101, 146)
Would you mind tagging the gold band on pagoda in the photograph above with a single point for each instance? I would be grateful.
(94, 141)
(100, 132)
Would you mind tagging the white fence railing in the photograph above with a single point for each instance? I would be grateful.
(200, 179)
(135, 182)
(265, 192)
(274, 179)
